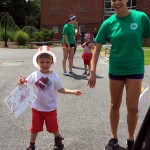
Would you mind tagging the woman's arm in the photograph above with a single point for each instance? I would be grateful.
(66, 41)
(92, 77)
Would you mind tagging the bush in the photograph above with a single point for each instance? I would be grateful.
(44, 35)
(38, 37)
(11, 35)
(30, 30)
(2, 35)
(21, 37)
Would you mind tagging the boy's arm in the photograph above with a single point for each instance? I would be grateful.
(68, 91)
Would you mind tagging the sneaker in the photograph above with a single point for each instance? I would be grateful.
(112, 144)
(30, 147)
(66, 73)
(130, 144)
(71, 73)
(85, 73)
(58, 143)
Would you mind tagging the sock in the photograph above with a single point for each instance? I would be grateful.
(32, 144)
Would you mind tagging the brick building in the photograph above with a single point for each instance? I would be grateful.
(90, 13)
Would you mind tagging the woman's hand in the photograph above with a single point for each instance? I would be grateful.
(92, 80)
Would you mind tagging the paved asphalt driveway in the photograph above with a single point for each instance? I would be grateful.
(83, 121)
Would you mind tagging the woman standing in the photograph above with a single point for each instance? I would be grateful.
(68, 44)
(126, 30)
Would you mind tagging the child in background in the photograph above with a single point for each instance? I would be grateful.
(87, 55)
(46, 84)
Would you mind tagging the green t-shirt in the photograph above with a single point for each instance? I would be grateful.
(126, 35)
(68, 30)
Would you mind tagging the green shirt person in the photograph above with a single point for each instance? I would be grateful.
(126, 30)
(68, 44)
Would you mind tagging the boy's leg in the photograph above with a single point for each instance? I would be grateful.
(32, 141)
(33, 137)
(52, 127)
(36, 126)
(85, 68)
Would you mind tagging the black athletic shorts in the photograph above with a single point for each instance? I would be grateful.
(71, 45)
(124, 77)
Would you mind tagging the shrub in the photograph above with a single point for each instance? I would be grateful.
(11, 35)
(38, 37)
(2, 35)
(44, 35)
(21, 37)
(30, 30)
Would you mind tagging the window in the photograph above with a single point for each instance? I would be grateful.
(81, 27)
(56, 7)
(55, 29)
(132, 4)
(84, 7)
(108, 10)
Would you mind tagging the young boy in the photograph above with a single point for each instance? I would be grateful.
(46, 84)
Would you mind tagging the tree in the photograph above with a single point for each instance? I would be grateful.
(16, 8)
(24, 13)
(32, 17)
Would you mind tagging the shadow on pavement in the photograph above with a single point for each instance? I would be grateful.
(81, 77)
(78, 68)
(121, 148)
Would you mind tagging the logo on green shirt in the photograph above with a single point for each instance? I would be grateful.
(133, 26)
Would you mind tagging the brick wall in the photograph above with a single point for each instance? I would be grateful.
(56, 12)
(89, 13)
(144, 5)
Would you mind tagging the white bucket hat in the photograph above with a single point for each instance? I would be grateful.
(43, 49)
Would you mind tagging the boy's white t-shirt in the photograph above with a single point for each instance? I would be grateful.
(45, 87)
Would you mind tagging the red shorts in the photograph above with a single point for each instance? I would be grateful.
(38, 119)
(87, 58)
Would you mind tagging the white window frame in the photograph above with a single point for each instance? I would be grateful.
(110, 11)
(55, 29)
(80, 27)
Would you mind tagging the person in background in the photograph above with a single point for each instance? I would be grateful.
(76, 34)
(126, 30)
(46, 84)
(87, 55)
(82, 35)
(94, 35)
(68, 44)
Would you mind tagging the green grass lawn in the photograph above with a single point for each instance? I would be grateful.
(146, 56)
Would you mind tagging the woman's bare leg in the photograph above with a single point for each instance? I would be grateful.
(71, 56)
(116, 90)
(133, 90)
(65, 56)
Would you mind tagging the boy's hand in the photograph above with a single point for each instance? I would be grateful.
(78, 92)
(21, 80)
